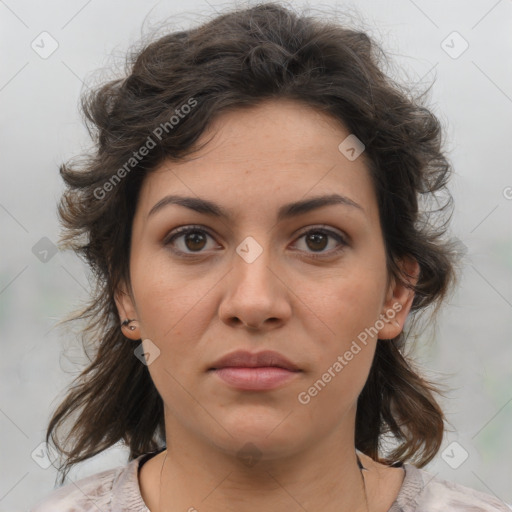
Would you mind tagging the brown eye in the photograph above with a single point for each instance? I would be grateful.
(189, 240)
(194, 240)
(317, 240)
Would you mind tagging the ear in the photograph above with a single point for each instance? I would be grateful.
(126, 310)
(399, 299)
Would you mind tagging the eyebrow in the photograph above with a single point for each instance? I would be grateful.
(286, 211)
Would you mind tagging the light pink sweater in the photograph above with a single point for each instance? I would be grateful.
(117, 490)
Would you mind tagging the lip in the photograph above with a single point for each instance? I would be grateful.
(256, 372)
(255, 379)
(245, 359)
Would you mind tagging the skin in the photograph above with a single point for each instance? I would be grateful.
(197, 310)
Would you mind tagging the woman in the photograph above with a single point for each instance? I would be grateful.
(251, 216)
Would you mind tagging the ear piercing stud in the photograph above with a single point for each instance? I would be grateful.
(127, 323)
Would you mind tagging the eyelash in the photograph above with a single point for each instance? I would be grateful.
(193, 229)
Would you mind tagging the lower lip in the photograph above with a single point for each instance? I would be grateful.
(262, 378)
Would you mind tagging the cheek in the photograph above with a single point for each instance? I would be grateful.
(343, 360)
(350, 306)
(353, 301)
(172, 304)
(159, 291)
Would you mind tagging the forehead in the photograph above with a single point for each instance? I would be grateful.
(274, 152)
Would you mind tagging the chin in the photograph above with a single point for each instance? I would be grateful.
(269, 432)
(251, 449)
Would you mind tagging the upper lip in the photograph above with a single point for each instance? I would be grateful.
(243, 358)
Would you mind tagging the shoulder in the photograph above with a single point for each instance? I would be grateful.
(83, 495)
(422, 491)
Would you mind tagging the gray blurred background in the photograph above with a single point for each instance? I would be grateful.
(49, 49)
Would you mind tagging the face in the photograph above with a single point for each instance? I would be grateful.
(310, 284)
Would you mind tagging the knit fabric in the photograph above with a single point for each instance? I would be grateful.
(117, 490)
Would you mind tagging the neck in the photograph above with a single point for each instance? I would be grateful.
(198, 476)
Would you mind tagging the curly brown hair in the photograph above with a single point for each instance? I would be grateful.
(233, 61)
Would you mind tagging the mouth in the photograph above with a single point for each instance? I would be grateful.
(253, 379)
(245, 359)
(256, 372)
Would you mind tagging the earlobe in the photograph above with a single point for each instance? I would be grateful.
(127, 313)
(399, 299)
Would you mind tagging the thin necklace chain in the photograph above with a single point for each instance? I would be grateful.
(160, 489)
(361, 468)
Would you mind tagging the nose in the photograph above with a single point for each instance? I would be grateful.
(255, 294)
